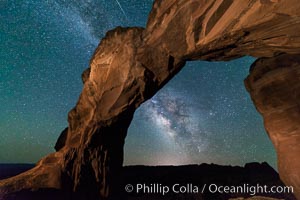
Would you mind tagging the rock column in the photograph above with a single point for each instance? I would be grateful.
(274, 86)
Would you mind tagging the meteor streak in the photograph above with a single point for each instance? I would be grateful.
(121, 8)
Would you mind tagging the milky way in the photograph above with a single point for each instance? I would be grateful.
(203, 115)
(173, 117)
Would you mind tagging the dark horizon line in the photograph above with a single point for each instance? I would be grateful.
(142, 165)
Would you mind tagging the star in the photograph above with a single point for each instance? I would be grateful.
(204, 114)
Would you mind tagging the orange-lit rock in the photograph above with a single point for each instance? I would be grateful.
(274, 85)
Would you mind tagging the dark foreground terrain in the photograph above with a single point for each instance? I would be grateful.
(191, 182)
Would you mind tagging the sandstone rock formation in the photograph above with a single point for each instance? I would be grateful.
(274, 85)
(131, 64)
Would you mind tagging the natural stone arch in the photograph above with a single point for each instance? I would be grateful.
(131, 64)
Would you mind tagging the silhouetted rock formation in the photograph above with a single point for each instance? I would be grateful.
(61, 141)
(131, 64)
(186, 176)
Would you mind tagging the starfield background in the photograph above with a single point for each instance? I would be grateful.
(204, 115)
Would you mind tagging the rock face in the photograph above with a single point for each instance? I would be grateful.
(131, 64)
(274, 85)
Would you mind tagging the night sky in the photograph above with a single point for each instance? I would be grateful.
(203, 115)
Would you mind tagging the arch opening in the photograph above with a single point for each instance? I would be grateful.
(203, 115)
